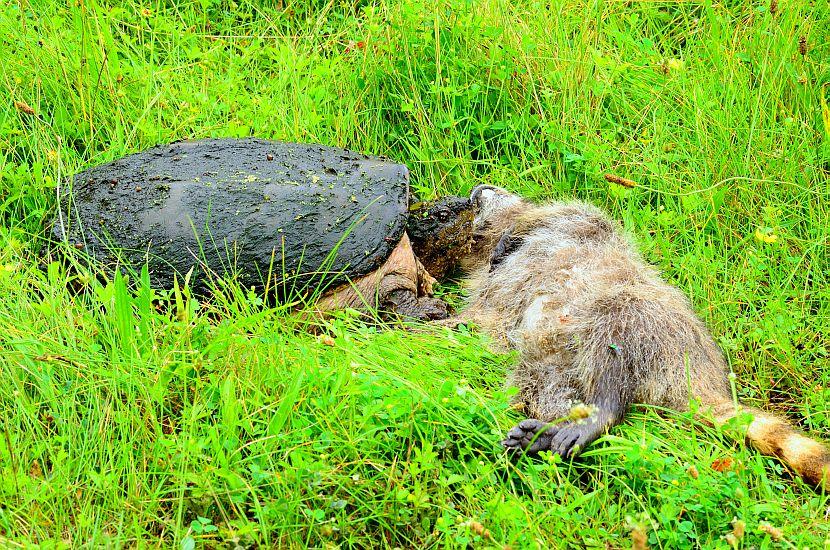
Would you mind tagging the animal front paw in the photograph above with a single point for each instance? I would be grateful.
(506, 246)
(566, 439)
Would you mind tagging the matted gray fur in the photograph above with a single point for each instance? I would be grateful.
(596, 325)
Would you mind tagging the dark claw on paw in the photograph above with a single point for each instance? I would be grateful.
(566, 440)
(530, 435)
(511, 443)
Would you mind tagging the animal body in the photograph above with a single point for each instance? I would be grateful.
(594, 324)
(292, 217)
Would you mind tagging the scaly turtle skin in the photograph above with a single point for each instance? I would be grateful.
(292, 216)
(441, 233)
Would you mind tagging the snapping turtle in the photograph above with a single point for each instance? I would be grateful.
(292, 217)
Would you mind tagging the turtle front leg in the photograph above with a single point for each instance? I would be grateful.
(406, 287)
(401, 285)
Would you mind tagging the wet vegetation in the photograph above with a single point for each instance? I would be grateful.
(136, 415)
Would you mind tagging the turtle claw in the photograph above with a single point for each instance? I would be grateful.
(431, 309)
(451, 323)
(408, 306)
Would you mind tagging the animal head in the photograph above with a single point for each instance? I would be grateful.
(497, 211)
(441, 232)
(490, 203)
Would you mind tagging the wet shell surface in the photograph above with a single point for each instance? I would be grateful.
(305, 214)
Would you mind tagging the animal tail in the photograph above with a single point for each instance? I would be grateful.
(774, 436)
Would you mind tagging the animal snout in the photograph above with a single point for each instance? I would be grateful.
(489, 201)
(483, 193)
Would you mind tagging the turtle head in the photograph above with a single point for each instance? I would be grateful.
(441, 232)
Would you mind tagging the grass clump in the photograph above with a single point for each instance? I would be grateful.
(226, 423)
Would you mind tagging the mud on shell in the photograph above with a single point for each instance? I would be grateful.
(250, 207)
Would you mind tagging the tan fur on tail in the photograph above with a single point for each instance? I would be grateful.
(774, 436)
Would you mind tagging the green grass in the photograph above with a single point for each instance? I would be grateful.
(227, 423)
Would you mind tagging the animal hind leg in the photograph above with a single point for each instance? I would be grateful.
(605, 407)
(548, 395)
(609, 355)
(625, 341)
(533, 435)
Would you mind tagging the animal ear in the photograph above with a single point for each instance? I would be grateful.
(509, 243)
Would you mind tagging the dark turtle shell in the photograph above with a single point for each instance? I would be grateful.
(251, 207)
